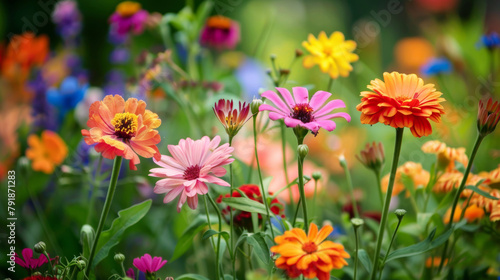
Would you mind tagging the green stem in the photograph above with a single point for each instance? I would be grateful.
(343, 163)
(208, 218)
(379, 187)
(314, 197)
(296, 212)
(302, 192)
(214, 205)
(231, 222)
(390, 245)
(283, 150)
(479, 139)
(262, 190)
(356, 252)
(104, 214)
(95, 187)
(388, 195)
(330, 84)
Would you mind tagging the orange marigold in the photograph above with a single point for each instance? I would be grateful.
(413, 171)
(309, 255)
(46, 152)
(401, 101)
(123, 128)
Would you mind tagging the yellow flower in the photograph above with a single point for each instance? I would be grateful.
(333, 55)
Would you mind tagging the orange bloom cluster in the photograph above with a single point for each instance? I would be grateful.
(472, 213)
(410, 170)
(46, 152)
(309, 255)
(446, 155)
(123, 128)
(401, 101)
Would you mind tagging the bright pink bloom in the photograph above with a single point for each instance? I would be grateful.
(128, 17)
(230, 117)
(147, 264)
(28, 261)
(130, 273)
(191, 166)
(300, 111)
(220, 33)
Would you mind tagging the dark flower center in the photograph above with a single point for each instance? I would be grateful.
(302, 112)
(309, 247)
(192, 172)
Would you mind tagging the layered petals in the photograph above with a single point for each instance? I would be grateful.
(148, 264)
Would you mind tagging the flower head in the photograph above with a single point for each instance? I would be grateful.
(46, 152)
(128, 18)
(192, 165)
(401, 101)
(220, 33)
(411, 170)
(488, 115)
(436, 66)
(243, 218)
(472, 213)
(123, 128)
(231, 118)
(309, 255)
(372, 156)
(147, 264)
(446, 156)
(67, 18)
(28, 261)
(333, 55)
(69, 94)
(490, 41)
(299, 111)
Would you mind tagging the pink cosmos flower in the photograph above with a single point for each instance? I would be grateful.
(300, 111)
(191, 166)
(128, 17)
(28, 261)
(147, 264)
(220, 33)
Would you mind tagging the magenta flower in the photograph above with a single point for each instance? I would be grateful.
(230, 117)
(192, 165)
(220, 33)
(300, 111)
(130, 273)
(28, 261)
(147, 264)
(128, 17)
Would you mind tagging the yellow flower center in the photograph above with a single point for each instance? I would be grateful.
(309, 247)
(125, 125)
(128, 8)
(219, 22)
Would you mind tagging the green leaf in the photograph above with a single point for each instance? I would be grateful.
(481, 192)
(459, 167)
(126, 218)
(365, 260)
(260, 248)
(212, 232)
(187, 237)
(245, 204)
(191, 277)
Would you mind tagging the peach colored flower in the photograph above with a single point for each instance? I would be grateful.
(412, 170)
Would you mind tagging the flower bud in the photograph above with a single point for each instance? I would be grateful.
(357, 222)
(372, 156)
(298, 52)
(488, 116)
(303, 150)
(81, 264)
(40, 247)
(254, 106)
(400, 213)
(316, 175)
(87, 235)
(119, 258)
(272, 56)
(284, 72)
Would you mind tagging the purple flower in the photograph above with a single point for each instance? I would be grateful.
(130, 273)
(28, 261)
(67, 18)
(119, 55)
(115, 83)
(220, 33)
(128, 18)
(300, 111)
(41, 111)
(147, 264)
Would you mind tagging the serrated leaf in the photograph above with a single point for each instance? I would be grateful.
(126, 218)
(258, 242)
(187, 237)
(245, 204)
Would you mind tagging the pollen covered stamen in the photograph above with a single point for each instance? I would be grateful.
(309, 247)
(302, 112)
(192, 172)
(125, 125)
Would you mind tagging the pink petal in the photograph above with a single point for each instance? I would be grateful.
(300, 95)
(287, 96)
(172, 194)
(267, 107)
(334, 104)
(327, 124)
(192, 202)
(181, 202)
(318, 99)
(312, 126)
(273, 96)
(167, 184)
(276, 116)
(291, 122)
(344, 115)
(215, 180)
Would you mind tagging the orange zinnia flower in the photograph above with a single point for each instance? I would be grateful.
(414, 171)
(401, 101)
(124, 129)
(46, 152)
(309, 255)
(23, 52)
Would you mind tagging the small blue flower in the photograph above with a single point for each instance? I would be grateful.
(436, 66)
(490, 41)
(251, 76)
(68, 95)
(337, 231)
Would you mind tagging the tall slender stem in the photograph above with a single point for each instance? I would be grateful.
(95, 187)
(390, 244)
(302, 192)
(262, 190)
(356, 252)
(231, 222)
(385, 212)
(214, 205)
(330, 84)
(343, 163)
(379, 187)
(479, 139)
(283, 150)
(104, 214)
